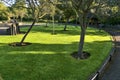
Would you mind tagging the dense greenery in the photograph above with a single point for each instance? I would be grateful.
(3, 11)
(48, 57)
(102, 9)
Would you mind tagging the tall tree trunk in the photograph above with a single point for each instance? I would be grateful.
(76, 22)
(83, 24)
(24, 37)
(81, 43)
(21, 19)
(53, 32)
(65, 27)
(46, 24)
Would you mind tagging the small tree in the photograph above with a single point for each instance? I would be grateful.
(67, 12)
(82, 8)
(38, 9)
(52, 12)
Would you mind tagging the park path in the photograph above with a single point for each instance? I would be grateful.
(113, 71)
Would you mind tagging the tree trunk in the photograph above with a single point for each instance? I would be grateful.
(24, 37)
(65, 27)
(21, 19)
(53, 32)
(76, 22)
(81, 43)
(17, 28)
(83, 24)
(46, 24)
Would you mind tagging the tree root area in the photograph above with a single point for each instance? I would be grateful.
(84, 55)
(19, 44)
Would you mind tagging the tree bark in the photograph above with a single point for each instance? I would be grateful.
(24, 37)
(65, 27)
(82, 35)
(21, 19)
(53, 20)
(76, 22)
(81, 43)
(46, 24)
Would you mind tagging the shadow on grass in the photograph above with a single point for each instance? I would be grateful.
(38, 48)
(70, 31)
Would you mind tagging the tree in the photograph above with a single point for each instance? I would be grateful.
(53, 9)
(114, 12)
(38, 9)
(3, 11)
(106, 10)
(52, 13)
(19, 9)
(67, 12)
(82, 8)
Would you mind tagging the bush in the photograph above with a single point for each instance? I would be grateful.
(113, 20)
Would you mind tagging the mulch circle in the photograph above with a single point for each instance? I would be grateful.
(54, 33)
(85, 55)
(18, 44)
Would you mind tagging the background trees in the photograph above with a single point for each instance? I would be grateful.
(114, 12)
(67, 12)
(3, 11)
(105, 10)
(19, 9)
(38, 9)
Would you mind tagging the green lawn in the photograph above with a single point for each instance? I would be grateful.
(48, 57)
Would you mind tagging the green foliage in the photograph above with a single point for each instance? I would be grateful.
(18, 9)
(113, 20)
(107, 11)
(48, 57)
(102, 9)
(3, 11)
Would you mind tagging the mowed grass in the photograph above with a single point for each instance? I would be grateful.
(48, 57)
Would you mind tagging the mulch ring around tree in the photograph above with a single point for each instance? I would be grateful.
(19, 44)
(84, 55)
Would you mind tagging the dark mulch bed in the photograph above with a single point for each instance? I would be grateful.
(18, 44)
(84, 55)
